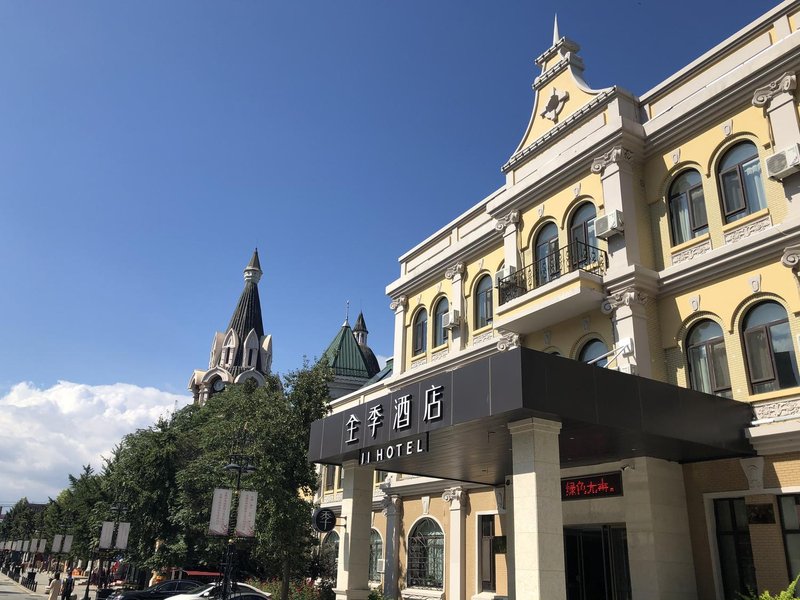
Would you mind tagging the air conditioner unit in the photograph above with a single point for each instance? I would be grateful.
(784, 163)
(451, 319)
(502, 274)
(609, 224)
(381, 565)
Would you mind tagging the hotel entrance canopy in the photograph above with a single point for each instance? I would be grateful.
(453, 424)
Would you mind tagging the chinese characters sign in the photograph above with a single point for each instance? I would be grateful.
(591, 486)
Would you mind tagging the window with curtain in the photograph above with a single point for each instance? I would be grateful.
(740, 182)
(439, 332)
(426, 555)
(687, 207)
(582, 238)
(375, 554)
(708, 359)
(547, 264)
(420, 336)
(790, 522)
(592, 351)
(771, 358)
(483, 302)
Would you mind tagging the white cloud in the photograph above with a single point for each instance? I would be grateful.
(50, 433)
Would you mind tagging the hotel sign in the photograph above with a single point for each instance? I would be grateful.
(416, 445)
(604, 485)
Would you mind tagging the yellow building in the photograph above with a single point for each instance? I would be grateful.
(595, 388)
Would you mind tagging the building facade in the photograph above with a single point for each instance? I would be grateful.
(595, 389)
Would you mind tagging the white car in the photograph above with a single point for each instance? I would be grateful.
(212, 590)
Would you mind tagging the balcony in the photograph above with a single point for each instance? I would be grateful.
(563, 284)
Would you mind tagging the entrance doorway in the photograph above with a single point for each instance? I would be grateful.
(596, 562)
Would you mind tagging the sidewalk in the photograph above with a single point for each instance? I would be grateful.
(43, 578)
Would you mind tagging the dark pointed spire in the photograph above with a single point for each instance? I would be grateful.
(247, 315)
(360, 324)
(253, 272)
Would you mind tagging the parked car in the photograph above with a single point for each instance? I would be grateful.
(212, 590)
(159, 591)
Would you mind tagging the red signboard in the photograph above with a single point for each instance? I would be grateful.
(604, 485)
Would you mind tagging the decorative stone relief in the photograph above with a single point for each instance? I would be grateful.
(676, 156)
(439, 355)
(456, 497)
(439, 287)
(754, 471)
(734, 235)
(555, 105)
(547, 337)
(690, 253)
(392, 505)
(778, 408)
(456, 269)
(727, 128)
(585, 323)
(626, 297)
(426, 505)
(508, 341)
(694, 302)
(540, 211)
(791, 259)
(400, 302)
(613, 156)
(500, 498)
(415, 364)
(785, 83)
(755, 283)
(486, 335)
(511, 218)
(480, 264)
(576, 191)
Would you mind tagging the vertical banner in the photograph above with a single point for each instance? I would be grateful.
(106, 533)
(57, 539)
(67, 544)
(220, 512)
(25, 545)
(122, 536)
(246, 515)
(42, 544)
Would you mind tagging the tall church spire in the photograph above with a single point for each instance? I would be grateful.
(556, 35)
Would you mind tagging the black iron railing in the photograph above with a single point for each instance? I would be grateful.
(575, 257)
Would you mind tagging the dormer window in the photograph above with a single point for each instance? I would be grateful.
(228, 350)
(251, 349)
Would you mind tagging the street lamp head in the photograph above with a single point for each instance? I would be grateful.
(232, 466)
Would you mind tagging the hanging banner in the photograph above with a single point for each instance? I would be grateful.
(220, 512)
(57, 539)
(122, 536)
(67, 544)
(106, 534)
(25, 545)
(246, 515)
(42, 544)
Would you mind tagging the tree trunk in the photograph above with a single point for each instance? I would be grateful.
(285, 581)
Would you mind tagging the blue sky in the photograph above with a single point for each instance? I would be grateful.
(146, 148)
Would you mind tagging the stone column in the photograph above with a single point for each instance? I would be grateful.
(456, 275)
(657, 523)
(777, 100)
(353, 573)
(399, 306)
(508, 225)
(629, 319)
(457, 562)
(392, 509)
(538, 540)
(620, 191)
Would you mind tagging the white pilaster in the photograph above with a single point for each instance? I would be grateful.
(457, 561)
(538, 540)
(353, 573)
(508, 225)
(392, 509)
(456, 275)
(399, 306)
(629, 318)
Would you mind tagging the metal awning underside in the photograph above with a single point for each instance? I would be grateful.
(606, 416)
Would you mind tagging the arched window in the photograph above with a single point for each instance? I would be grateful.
(740, 182)
(439, 332)
(329, 553)
(771, 359)
(251, 349)
(583, 241)
(546, 257)
(592, 351)
(687, 207)
(420, 335)
(483, 302)
(375, 554)
(708, 359)
(228, 349)
(426, 555)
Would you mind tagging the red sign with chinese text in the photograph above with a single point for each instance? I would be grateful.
(604, 485)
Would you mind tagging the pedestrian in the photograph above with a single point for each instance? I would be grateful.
(54, 589)
(69, 585)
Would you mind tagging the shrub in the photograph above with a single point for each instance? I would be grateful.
(787, 594)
